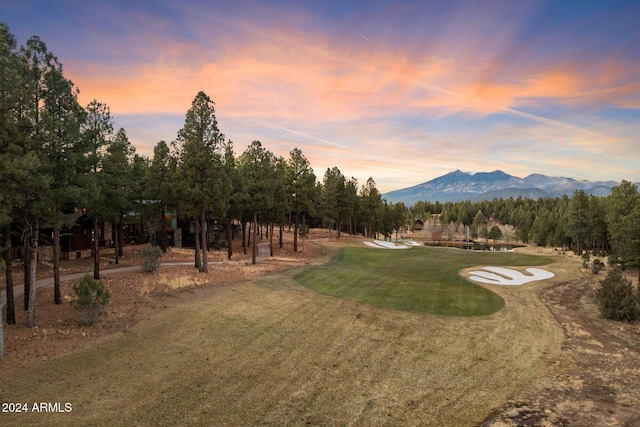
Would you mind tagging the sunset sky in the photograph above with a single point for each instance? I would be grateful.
(403, 91)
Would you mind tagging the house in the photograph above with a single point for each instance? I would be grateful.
(77, 236)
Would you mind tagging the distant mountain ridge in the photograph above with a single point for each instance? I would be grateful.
(457, 185)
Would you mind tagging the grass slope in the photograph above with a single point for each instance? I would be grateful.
(425, 280)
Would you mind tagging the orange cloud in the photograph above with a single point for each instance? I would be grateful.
(554, 84)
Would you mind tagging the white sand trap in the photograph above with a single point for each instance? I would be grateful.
(410, 243)
(381, 244)
(508, 276)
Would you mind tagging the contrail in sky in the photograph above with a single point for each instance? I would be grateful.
(344, 147)
(545, 120)
(303, 134)
(518, 113)
(361, 35)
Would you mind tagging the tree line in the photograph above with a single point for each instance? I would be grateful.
(604, 226)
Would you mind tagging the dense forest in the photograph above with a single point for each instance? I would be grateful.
(60, 160)
(583, 222)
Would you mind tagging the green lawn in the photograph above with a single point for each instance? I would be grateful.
(421, 279)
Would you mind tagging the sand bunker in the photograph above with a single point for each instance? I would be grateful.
(381, 244)
(508, 276)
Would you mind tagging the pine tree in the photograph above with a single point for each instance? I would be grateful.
(42, 70)
(578, 219)
(623, 223)
(256, 168)
(18, 161)
(235, 191)
(96, 134)
(333, 199)
(161, 176)
(302, 184)
(372, 206)
(199, 147)
(279, 204)
(116, 180)
(352, 202)
(616, 298)
(63, 159)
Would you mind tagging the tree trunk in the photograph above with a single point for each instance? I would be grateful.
(244, 237)
(1, 331)
(11, 305)
(120, 244)
(96, 249)
(355, 224)
(8, 268)
(163, 229)
(57, 299)
(31, 312)
(280, 236)
(254, 245)
(26, 261)
(196, 229)
(203, 227)
(229, 239)
(11, 308)
(270, 239)
(295, 234)
(114, 234)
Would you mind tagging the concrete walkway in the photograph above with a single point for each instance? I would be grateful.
(263, 252)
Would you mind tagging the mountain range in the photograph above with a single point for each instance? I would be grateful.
(456, 186)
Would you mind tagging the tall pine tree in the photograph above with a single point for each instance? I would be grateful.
(302, 182)
(97, 131)
(199, 146)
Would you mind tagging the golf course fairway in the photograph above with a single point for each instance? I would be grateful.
(423, 279)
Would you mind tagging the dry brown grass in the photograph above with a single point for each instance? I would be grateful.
(271, 352)
(253, 347)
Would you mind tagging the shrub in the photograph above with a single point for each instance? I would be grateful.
(616, 297)
(151, 256)
(597, 266)
(585, 259)
(90, 299)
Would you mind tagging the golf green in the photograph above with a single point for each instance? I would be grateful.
(423, 279)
